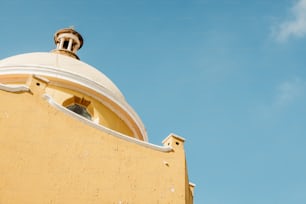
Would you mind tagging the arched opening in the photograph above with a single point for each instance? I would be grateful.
(66, 44)
(79, 106)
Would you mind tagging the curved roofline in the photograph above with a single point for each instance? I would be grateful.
(105, 129)
(24, 88)
(75, 71)
(63, 63)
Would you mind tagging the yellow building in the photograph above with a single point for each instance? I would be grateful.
(67, 135)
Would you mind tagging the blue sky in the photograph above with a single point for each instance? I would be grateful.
(229, 76)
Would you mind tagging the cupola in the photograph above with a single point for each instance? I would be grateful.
(68, 42)
(75, 86)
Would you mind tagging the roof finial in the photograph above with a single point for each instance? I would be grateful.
(68, 42)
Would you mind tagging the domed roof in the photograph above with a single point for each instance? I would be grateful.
(64, 67)
(63, 64)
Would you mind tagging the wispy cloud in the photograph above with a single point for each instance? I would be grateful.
(284, 97)
(288, 92)
(295, 26)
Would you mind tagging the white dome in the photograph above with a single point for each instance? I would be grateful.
(63, 64)
(68, 68)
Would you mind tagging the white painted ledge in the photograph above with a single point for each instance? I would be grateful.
(14, 88)
(105, 129)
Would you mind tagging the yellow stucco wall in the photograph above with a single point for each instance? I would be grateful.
(47, 156)
(102, 114)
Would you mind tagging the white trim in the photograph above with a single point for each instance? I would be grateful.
(192, 184)
(105, 129)
(62, 74)
(14, 88)
(42, 79)
(175, 136)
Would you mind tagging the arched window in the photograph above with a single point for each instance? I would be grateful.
(79, 106)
